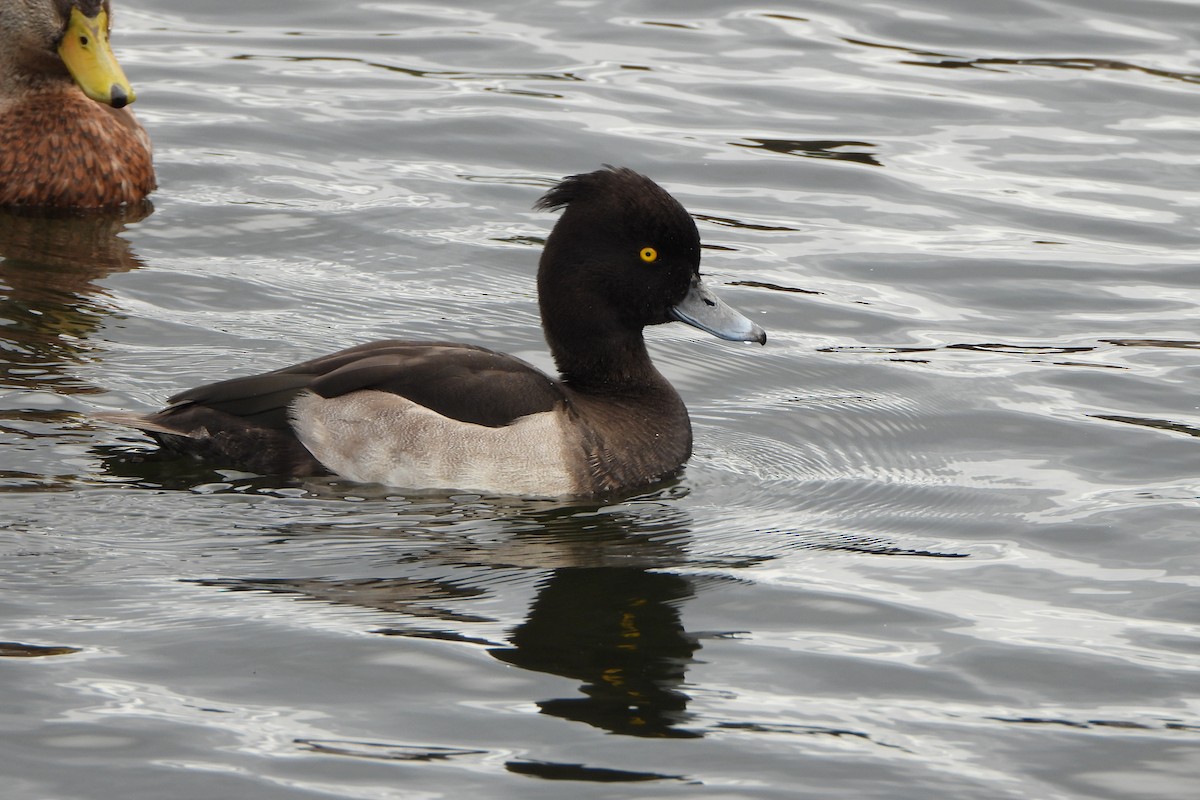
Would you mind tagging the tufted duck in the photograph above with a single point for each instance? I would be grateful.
(436, 415)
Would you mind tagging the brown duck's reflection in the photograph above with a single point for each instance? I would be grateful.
(48, 265)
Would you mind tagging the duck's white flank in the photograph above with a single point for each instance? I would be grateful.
(379, 437)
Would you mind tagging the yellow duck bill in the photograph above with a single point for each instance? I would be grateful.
(90, 60)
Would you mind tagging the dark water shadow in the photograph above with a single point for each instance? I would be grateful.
(139, 462)
(548, 770)
(1032, 352)
(997, 63)
(815, 148)
(24, 650)
(1083, 63)
(49, 300)
(1166, 425)
(446, 75)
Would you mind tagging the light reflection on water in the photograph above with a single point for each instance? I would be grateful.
(936, 538)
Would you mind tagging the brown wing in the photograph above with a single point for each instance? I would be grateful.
(244, 422)
(463, 382)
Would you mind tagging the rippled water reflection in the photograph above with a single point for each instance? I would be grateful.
(936, 538)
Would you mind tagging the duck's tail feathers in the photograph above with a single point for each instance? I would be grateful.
(145, 423)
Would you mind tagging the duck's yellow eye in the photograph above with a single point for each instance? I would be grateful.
(649, 255)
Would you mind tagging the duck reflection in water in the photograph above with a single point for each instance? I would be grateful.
(49, 263)
(618, 630)
(606, 612)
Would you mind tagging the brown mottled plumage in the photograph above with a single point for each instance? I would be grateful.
(59, 147)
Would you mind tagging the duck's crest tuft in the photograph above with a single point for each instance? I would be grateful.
(589, 184)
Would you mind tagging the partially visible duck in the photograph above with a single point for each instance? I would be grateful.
(67, 139)
(625, 254)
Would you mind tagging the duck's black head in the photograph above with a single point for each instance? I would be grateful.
(625, 254)
(624, 251)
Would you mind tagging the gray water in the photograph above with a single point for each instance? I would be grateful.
(938, 539)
